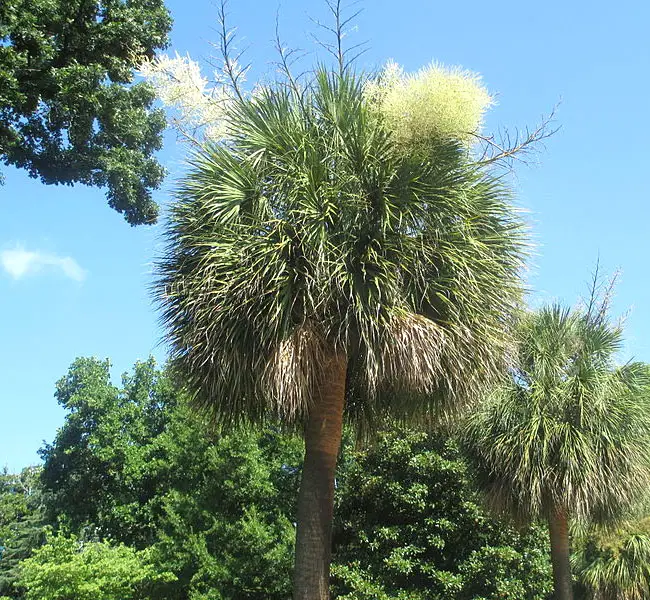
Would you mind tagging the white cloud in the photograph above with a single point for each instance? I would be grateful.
(20, 262)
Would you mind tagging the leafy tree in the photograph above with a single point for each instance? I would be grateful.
(15, 491)
(410, 526)
(327, 256)
(22, 523)
(67, 568)
(135, 465)
(569, 434)
(69, 110)
(105, 449)
(227, 525)
(218, 510)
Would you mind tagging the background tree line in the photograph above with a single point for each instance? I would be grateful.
(206, 515)
(139, 491)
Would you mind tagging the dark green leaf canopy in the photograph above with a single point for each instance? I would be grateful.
(69, 111)
(309, 231)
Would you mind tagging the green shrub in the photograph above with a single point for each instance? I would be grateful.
(66, 567)
(410, 527)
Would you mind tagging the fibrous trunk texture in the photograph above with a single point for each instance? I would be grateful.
(323, 432)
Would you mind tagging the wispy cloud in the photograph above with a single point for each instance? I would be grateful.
(20, 262)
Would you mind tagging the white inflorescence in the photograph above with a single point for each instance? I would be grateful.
(435, 102)
(180, 85)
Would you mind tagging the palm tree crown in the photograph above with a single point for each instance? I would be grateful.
(614, 563)
(571, 428)
(309, 231)
(569, 434)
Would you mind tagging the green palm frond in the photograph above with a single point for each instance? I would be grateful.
(570, 428)
(310, 231)
(615, 564)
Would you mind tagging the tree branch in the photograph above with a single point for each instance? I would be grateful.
(287, 58)
(337, 49)
(231, 68)
(506, 150)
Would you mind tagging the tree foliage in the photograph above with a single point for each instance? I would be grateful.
(410, 526)
(571, 428)
(107, 448)
(67, 568)
(22, 523)
(69, 110)
(218, 510)
(135, 465)
(614, 563)
(310, 230)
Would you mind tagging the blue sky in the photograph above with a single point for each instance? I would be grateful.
(74, 275)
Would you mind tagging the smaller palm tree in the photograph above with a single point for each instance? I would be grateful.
(614, 564)
(568, 435)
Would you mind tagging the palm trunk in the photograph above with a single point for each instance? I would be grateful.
(558, 526)
(316, 499)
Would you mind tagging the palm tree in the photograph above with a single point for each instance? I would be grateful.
(569, 434)
(319, 264)
(614, 563)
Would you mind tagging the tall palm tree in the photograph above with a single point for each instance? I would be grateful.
(317, 264)
(569, 434)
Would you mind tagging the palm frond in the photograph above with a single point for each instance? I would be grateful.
(615, 564)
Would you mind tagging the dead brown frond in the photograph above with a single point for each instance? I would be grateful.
(294, 371)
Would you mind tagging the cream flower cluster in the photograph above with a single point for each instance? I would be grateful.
(435, 102)
(180, 85)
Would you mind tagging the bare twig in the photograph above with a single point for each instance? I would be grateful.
(231, 67)
(601, 292)
(288, 56)
(594, 285)
(187, 134)
(338, 30)
(506, 149)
